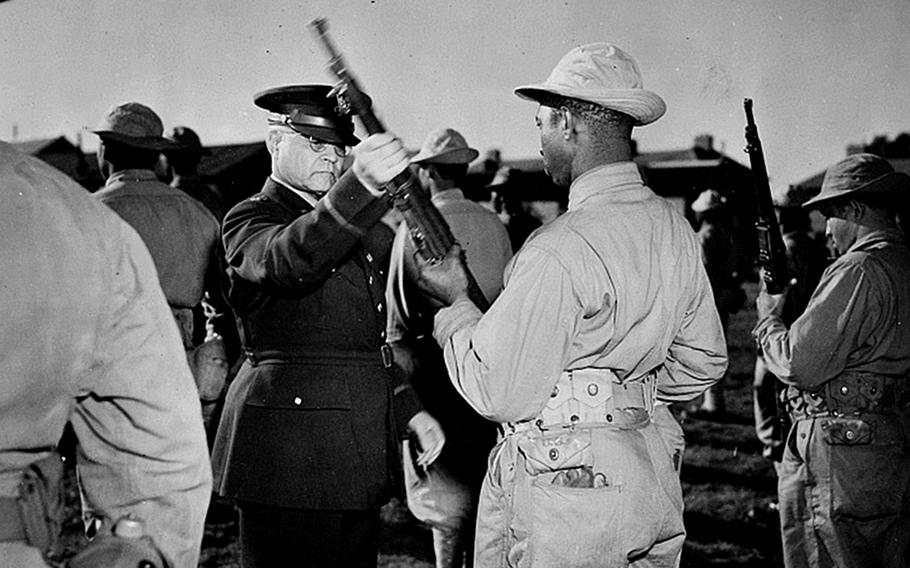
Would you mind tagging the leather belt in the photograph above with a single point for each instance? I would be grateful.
(262, 356)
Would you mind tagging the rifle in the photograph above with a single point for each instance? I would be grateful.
(772, 255)
(427, 228)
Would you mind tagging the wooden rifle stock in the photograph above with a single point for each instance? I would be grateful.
(772, 254)
(429, 231)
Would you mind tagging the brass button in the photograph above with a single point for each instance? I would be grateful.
(554, 454)
(609, 418)
(850, 434)
(574, 418)
(844, 389)
(298, 401)
(379, 307)
(592, 389)
(555, 392)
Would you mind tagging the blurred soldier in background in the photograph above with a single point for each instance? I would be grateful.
(183, 162)
(446, 495)
(213, 320)
(605, 311)
(86, 337)
(806, 259)
(309, 437)
(180, 233)
(844, 482)
(715, 235)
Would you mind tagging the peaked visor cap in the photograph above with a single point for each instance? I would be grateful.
(312, 110)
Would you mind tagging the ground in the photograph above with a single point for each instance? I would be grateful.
(726, 482)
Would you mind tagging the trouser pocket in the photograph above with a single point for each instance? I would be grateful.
(575, 527)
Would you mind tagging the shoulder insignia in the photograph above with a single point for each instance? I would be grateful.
(258, 197)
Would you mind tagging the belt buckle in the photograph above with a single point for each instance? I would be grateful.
(387, 358)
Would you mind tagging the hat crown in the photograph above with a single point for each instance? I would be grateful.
(855, 171)
(186, 137)
(133, 120)
(597, 67)
(445, 145)
(443, 140)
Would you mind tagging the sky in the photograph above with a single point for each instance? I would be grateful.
(822, 73)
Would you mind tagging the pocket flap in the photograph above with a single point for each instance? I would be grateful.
(556, 451)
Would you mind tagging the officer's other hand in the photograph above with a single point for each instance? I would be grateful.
(445, 281)
(378, 159)
(769, 304)
(430, 435)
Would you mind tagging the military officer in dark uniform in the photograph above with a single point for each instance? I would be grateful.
(307, 443)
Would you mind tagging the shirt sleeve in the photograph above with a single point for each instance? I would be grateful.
(142, 446)
(697, 357)
(841, 314)
(506, 362)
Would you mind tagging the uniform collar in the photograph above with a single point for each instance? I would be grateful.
(285, 196)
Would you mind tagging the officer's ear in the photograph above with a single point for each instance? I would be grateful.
(272, 140)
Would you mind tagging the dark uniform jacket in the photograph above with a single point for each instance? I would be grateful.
(308, 422)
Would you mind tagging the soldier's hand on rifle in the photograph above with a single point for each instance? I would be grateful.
(769, 304)
(378, 159)
(445, 281)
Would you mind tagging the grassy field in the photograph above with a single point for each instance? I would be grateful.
(727, 486)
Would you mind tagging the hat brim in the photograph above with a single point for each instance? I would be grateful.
(894, 183)
(642, 105)
(453, 156)
(145, 142)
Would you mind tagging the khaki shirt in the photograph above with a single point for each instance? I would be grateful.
(615, 282)
(87, 337)
(180, 233)
(856, 319)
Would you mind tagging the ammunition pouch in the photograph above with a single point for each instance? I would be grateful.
(592, 397)
(36, 514)
(850, 394)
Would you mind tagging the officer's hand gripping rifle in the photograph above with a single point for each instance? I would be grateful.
(428, 229)
(772, 255)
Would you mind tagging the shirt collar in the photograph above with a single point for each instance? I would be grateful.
(876, 239)
(131, 175)
(621, 181)
(452, 194)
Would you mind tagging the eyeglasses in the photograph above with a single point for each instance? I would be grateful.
(319, 146)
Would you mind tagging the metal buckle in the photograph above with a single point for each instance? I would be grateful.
(387, 358)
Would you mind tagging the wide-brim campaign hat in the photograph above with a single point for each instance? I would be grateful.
(134, 124)
(312, 110)
(603, 74)
(187, 141)
(445, 146)
(861, 174)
